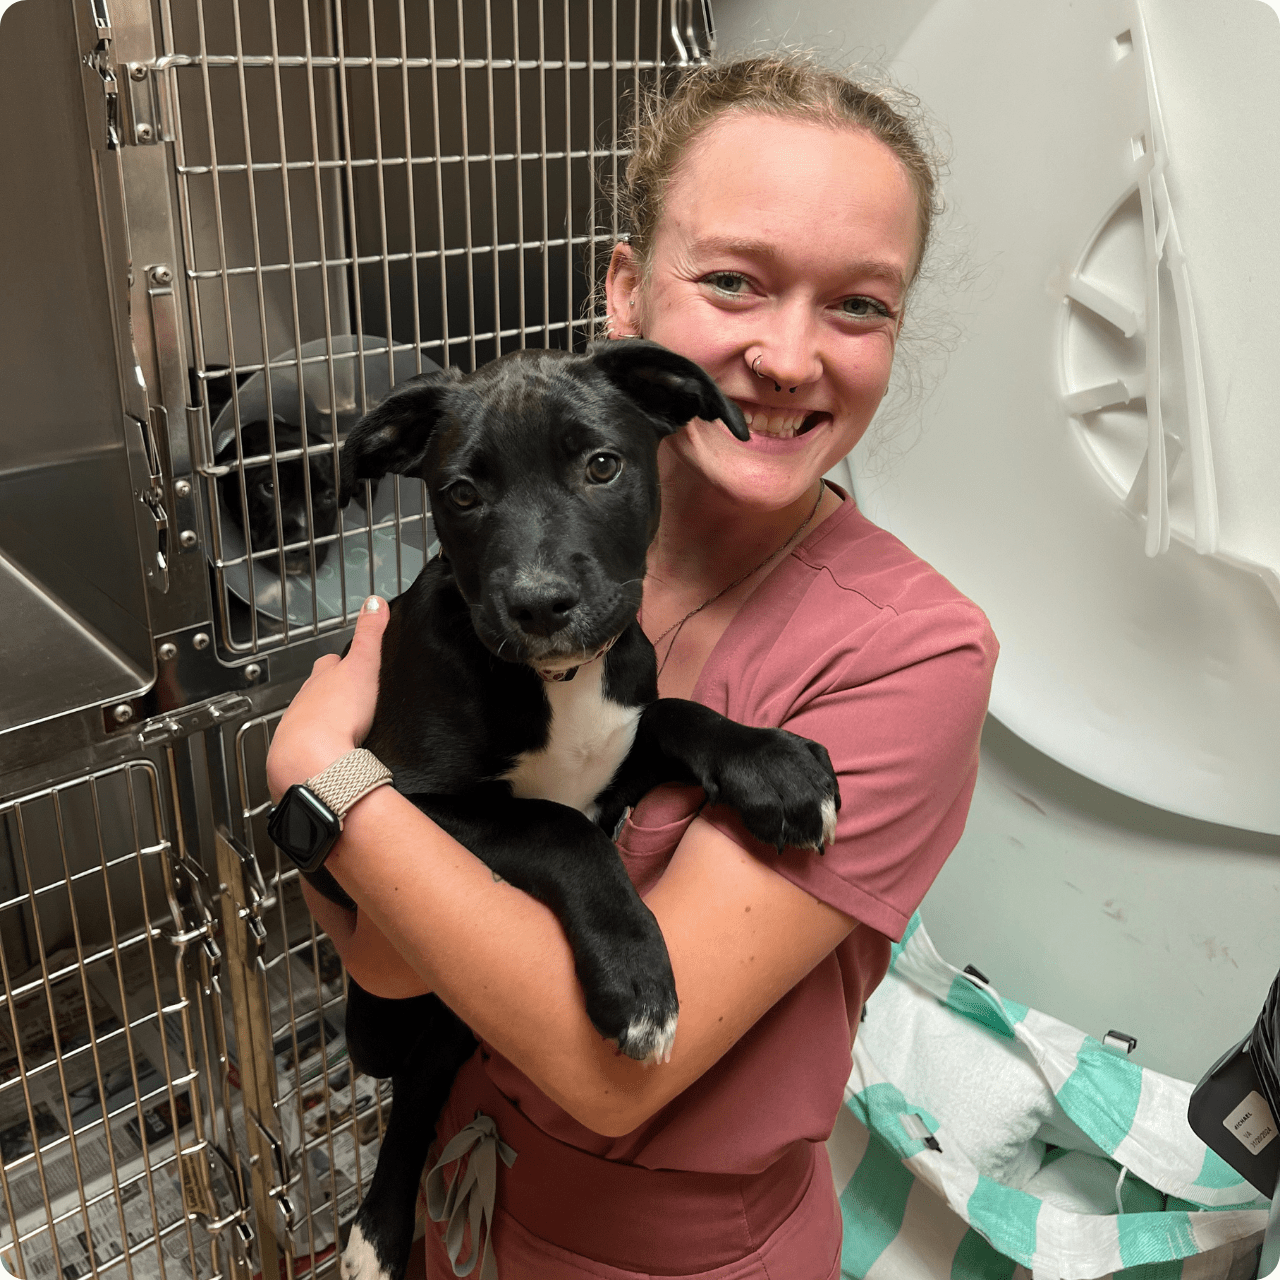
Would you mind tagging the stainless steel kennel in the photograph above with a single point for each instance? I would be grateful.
(218, 214)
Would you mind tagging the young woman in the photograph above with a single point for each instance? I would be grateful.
(778, 218)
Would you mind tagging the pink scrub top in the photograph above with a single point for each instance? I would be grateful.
(859, 644)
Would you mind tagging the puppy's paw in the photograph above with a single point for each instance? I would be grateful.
(637, 1011)
(782, 786)
(827, 810)
(360, 1259)
(628, 985)
(649, 1036)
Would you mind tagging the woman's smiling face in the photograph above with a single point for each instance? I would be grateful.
(789, 246)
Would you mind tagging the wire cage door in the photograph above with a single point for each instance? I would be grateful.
(314, 199)
(364, 191)
(121, 1131)
(326, 1119)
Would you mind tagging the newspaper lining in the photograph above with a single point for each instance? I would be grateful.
(330, 1127)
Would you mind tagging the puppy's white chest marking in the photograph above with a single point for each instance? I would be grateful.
(589, 738)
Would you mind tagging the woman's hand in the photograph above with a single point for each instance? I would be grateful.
(333, 711)
(329, 715)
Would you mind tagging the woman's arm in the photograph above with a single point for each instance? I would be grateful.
(739, 935)
(369, 958)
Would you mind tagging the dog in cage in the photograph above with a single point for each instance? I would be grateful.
(305, 492)
(518, 702)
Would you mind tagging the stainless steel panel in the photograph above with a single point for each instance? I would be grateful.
(75, 628)
(58, 384)
(85, 671)
(84, 563)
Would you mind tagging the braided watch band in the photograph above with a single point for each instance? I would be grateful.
(348, 779)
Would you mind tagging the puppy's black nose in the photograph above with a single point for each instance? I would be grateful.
(544, 608)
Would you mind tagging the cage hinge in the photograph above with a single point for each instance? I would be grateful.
(146, 118)
(171, 396)
(175, 725)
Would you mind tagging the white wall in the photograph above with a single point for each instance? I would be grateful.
(851, 29)
(1098, 909)
(1108, 913)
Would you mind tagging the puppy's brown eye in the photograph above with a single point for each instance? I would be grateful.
(463, 495)
(603, 468)
(267, 488)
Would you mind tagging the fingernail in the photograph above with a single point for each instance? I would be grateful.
(371, 605)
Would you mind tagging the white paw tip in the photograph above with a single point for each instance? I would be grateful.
(359, 1262)
(829, 820)
(644, 1032)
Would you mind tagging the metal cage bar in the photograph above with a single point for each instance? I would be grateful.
(355, 202)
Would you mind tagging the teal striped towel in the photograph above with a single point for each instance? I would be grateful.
(984, 1139)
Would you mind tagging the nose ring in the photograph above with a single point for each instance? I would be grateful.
(755, 368)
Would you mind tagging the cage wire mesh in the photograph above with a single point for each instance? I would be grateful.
(364, 191)
(331, 1118)
(110, 1117)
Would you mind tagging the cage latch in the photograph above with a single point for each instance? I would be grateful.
(168, 728)
(136, 102)
(148, 484)
(210, 952)
(101, 85)
(203, 1201)
(152, 500)
(278, 1190)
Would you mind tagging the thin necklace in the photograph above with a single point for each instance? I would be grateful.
(677, 627)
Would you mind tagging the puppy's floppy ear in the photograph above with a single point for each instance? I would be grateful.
(666, 386)
(394, 435)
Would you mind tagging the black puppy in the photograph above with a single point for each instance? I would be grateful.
(518, 702)
(261, 492)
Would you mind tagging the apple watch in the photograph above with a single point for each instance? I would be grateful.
(307, 822)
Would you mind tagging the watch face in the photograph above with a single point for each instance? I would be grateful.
(303, 828)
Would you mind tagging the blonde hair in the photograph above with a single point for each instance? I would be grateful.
(790, 86)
